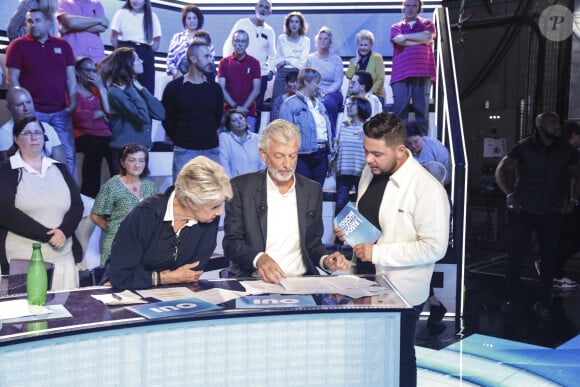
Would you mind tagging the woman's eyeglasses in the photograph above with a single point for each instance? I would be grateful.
(37, 133)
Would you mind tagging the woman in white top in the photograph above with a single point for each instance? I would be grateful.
(292, 50)
(330, 68)
(39, 202)
(239, 152)
(135, 25)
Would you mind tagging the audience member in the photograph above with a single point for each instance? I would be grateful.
(262, 46)
(91, 125)
(239, 76)
(19, 103)
(39, 202)
(137, 26)
(308, 113)
(17, 23)
(533, 177)
(205, 37)
(330, 68)
(360, 85)
(413, 63)
(291, 88)
(29, 59)
(239, 146)
(410, 207)
(292, 50)
(132, 105)
(370, 62)
(569, 243)
(194, 110)
(425, 148)
(121, 193)
(81, 24)
(350, 154)
(169, 238)
(287, 210)
(192, 20)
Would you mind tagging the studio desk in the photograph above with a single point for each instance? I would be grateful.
(332, 344)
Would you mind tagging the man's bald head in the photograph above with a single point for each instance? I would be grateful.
(19, 102)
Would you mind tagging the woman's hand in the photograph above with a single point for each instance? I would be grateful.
(58, 239)
(183, 274)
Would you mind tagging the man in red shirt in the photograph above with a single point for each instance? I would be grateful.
(413, 63)
(240, 78)
(44, 65)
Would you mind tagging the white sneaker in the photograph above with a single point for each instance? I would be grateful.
(564, 283)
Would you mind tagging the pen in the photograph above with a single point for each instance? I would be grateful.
(117, 297)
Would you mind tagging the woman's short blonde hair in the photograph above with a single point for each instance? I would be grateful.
(324, 30)
(365, 34)
(202, 181)
(307, 75)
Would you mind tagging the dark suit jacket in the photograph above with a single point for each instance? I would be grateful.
(246, 218)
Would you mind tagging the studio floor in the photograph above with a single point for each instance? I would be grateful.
(489, 348)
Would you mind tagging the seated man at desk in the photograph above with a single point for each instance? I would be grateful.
(169, 238)
(273, 225)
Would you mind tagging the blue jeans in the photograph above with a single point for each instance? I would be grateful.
(343, 185)
(260, 103)
(181, 156)
(313, 166)
(61, 121)
(417, 88)
(333, 102)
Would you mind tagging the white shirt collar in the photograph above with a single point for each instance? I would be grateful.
(170, 217)
(273, 187)
(16, 162)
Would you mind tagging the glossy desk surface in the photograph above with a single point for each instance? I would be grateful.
(89, 314)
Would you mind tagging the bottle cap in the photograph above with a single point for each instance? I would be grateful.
(36, 245)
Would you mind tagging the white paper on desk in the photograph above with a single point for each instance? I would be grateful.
(326, 284)
(20, 308)
(217, 295)
(55, 311)
(127, 298)
(365, 292)
(168, 294)
(261, 287)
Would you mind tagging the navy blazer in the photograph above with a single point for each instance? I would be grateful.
(246, 226)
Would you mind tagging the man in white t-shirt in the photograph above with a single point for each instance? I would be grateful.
(19, 103)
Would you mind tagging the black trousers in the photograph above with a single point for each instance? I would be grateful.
(522, 225)
(95, 149)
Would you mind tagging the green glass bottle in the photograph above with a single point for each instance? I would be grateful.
(36, 278)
